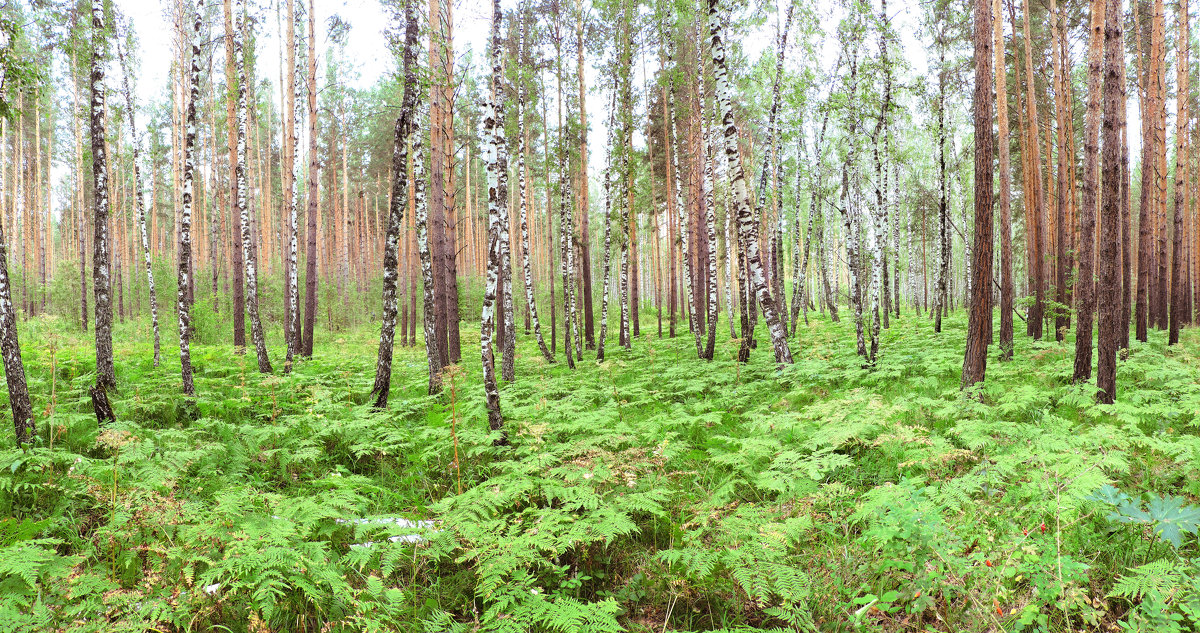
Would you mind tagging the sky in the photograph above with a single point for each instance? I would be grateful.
(367, 51)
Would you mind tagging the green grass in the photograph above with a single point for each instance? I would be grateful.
(652, 491)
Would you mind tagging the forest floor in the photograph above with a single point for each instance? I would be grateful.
(650, 492)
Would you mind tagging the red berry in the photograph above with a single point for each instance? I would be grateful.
(1043, 528)
(988, 563)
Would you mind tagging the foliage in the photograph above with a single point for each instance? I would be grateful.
(650, 490)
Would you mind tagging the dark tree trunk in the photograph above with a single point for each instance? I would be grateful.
(310, 256)
(1085, 287)
(980, 313)
(1110, 208)
(106, 377)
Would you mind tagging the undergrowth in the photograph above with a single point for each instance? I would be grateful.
(650, 492)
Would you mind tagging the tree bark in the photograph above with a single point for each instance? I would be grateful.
(1110, 207)
(1085, 287)
(101, 246)
(975, 357)
(497, 165)
(140, 201)
(403, 132)
(10, 347)
(783, 353)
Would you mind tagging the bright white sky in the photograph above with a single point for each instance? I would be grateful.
(367, 48)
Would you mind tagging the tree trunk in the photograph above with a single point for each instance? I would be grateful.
(783, 353)
(1033, 181)
(310, 256)
(235, 202)
(975, 358)
(141, 206)
(1085, 287)
(1179, 306)
(10, 348)
(403, 132)
(1110, 208)
(106, 378)
(497, 166)
(1006, 264)
(243, 204)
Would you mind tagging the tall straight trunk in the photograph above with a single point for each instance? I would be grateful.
(783, 353)
(710, 224)
(438, 107)
(1110, 207)
(980, 312)
(625, 58)
(81, 220)
(403, 132)
(770, 155)
(1065, 165)
(1033, 181)
(1085, 287)
(236, 156)
(682, 222)
(508, 322)
(1179, 306)
(10, 347)
(607, 175)
(310, 256)
(497, 165)
(523, 208)
(1006, 264)
(1126, 308)
(185, 218)
(878, 236)
(106, 377)
(244, 212)
(450, 250)
(940, 295)
(1158, 286)
(291, 132)
(140, 201)
(1149, 107)
(585, 242)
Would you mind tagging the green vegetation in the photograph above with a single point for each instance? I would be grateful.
(650, 492)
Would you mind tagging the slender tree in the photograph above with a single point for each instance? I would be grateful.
(1179, 304)
(1085, 287)
(783, 354)
(106, 377)
(399, 198)
(310, 257)
(497, 164)
(249, 252)
(1108, 285)
(975, 359)
(10, 347)
(138, 198)
(292, 131)
(1006, 263)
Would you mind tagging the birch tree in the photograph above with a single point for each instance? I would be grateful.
(106, 377)
(138, 197)
(497, 164)
(10, 347)
(249, 256)
(523, 210)
(399, 198)
(741, 196)
(185, 211)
